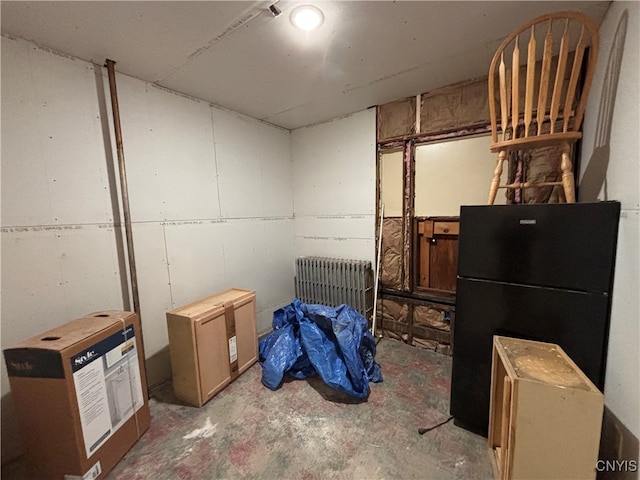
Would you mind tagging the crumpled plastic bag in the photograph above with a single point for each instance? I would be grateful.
(310, 339)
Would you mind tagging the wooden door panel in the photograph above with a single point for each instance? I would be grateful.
(443, 263)
(213, 355)
(246, 336)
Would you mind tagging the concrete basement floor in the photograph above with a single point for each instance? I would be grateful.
(305, 430)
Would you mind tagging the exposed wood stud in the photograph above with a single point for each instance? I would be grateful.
(418, 112)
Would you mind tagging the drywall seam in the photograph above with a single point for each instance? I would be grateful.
(215, 159)
(166, 255)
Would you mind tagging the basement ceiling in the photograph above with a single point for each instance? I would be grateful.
(237, 55)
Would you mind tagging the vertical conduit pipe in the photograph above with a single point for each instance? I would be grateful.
(375, 289)
(123, 185)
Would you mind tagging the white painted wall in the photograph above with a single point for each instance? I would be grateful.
(334, 187)
(622, 183)
(210, 193)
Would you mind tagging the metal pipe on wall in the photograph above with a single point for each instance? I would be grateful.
(377, 280)
(123, 185)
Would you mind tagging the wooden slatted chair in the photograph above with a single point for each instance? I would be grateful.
(551, 82)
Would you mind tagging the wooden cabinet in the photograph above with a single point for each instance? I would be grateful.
(211, 342)
(545, 414)
(438, 253)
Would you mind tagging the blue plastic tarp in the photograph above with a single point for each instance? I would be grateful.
(309, 339)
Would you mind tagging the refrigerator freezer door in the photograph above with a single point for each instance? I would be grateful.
(569, 246)
(576, 321)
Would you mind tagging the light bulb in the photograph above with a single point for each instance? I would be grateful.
(306, 17)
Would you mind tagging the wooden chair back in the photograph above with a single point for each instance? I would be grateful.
(539, 80)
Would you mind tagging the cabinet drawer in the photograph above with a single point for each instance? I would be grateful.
(446, 228)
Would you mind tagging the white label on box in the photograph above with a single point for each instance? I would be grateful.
(233, 350)
(93, 473)
(108, 387)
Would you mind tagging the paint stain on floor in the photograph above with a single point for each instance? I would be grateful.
(206, 431)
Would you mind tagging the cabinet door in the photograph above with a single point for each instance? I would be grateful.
(246, 335)
(438, 254)
(213, 355)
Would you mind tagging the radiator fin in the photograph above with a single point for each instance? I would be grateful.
(334, 281)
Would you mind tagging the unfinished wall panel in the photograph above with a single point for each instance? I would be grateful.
(62, 247)
(168, 152)
(253, 166)
(344, 248)
(391, 263)
(154, 283)
(537, 165)
(196, 260)
(334, 187)
(50, 275)
(345, 150)
(275, 271)
(29, 294)
(393, 319)
(416, 322)
(335, 227)
(51, 122)
(396, 119)
(257, 254)
(431, 327)
(243, 247)
(455, 107)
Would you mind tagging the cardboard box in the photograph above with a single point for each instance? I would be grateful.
(80, 395)
(211, 342)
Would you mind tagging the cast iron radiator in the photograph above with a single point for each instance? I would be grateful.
(334, 281)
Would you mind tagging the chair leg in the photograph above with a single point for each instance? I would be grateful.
(497, 174)
(568, 182)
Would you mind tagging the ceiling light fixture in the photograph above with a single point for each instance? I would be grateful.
(306, 17)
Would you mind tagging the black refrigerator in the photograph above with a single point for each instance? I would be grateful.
(539, 272)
